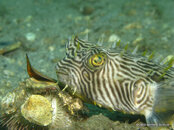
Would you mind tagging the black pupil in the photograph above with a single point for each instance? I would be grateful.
(97, 60)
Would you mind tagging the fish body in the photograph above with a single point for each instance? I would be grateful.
(116, 80)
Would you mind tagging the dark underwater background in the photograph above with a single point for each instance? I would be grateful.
(41, 28)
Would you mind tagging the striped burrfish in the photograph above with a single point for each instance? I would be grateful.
(118, 80)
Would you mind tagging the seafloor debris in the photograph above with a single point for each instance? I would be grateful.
(37, 109)
(6, 47)
(30, 36)
(27, 108)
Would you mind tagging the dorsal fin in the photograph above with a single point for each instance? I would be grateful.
(32, 72)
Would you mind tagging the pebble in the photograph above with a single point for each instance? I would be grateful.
(51, 48)
(30, 36)
(28, 18)
(114, 38)
(37, 109)
(87, 10)
(138, 40)
(8, 73)
(132, 26)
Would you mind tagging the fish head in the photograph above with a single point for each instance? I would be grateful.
(81, 65)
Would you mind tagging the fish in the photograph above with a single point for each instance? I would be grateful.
(118, 80)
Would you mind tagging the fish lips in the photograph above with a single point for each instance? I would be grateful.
(63, 76)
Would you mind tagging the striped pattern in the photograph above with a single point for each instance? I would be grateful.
(122, 83)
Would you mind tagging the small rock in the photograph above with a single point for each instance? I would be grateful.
(51, 48)
(28, 18)
(113, 38)
(87, 10)
(132, 26)
(8, 72)
(37, 109)
(30, 36)
(138, 40)
(55, 60)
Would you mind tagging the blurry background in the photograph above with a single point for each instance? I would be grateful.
(41, 28)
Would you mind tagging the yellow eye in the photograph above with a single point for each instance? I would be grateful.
(97, 60)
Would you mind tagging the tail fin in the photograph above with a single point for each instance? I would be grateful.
(164, 98)
(163, 108)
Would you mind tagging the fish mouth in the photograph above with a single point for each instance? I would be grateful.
(62, 76)
(61, 72)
